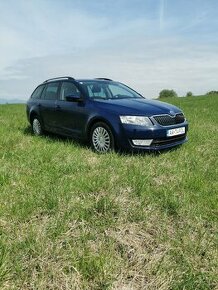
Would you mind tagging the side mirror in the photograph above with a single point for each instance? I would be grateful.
(73, 98)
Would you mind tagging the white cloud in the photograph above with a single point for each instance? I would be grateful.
(37, 28)
(147, 66)
(39, 40)
(161, 17)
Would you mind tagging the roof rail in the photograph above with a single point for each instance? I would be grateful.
(69, 78)
(105, 79)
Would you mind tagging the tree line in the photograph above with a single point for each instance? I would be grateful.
(172, 94)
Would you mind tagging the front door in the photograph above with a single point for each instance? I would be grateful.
(71, 116)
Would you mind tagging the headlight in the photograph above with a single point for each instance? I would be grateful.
(136, 120)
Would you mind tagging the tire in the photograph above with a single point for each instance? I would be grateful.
(37, 126)
(101, 138)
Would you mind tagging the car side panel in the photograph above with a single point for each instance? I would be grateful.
(48, 114)
(71, 118)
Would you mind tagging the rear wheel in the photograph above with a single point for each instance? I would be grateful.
(102, 139)
(37, 126)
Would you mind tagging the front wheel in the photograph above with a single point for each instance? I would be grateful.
(37, 127)
(102, 140)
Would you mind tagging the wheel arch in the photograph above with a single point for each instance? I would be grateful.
(95, 120)
(32, 115)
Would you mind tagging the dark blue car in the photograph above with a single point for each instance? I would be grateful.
(106, 113)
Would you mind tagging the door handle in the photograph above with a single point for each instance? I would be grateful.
(58, 108)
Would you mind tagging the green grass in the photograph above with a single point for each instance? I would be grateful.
(73, 219)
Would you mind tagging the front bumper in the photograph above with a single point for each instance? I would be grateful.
(157, 133)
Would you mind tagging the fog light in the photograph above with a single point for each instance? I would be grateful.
(145, 142)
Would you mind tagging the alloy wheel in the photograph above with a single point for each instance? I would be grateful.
(101, 140)
(37, 128)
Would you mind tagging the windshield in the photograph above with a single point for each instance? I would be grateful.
(108, 90)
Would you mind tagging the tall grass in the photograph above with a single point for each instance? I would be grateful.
(73, 219)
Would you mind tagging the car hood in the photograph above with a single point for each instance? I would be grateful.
(137, 106)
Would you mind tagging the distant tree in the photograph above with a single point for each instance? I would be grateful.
(212, 93)
(189, 94)
(167, 94)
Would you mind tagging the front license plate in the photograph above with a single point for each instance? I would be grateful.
(176, 131)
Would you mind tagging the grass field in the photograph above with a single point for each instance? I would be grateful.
(73, 219)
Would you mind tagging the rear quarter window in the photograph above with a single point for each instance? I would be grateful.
(51, 91)
(37, 93)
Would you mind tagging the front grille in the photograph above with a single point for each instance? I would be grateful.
(167, 120)
(169, 140)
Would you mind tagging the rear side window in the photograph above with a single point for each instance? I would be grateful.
(51, 91)
(37, 93)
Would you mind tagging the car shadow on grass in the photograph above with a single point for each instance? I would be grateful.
(84, 144)
(55, 137)
(148, 152)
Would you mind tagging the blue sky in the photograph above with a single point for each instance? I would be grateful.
(147, 44)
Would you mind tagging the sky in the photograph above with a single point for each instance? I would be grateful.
(149, 45)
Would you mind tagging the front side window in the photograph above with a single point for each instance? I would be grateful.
(108, 90)
(37, 93)
(118, 91)
(97, 91)
(51, 91)
(68, 89)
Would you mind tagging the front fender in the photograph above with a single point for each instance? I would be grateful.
(112, 121)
